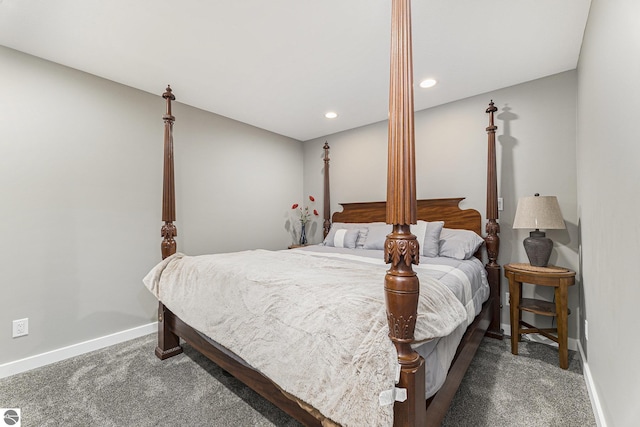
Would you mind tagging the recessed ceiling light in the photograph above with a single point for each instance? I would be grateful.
(331, 115)
(428, 83)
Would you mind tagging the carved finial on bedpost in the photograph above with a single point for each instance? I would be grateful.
(168, 95)
(402, 287)
(169, 230)
(327, 191)
(491, 109)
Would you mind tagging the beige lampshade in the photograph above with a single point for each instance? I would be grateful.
(538, 212)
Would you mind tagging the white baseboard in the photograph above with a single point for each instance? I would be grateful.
(572, 343)
(32, 362)
(591, 389)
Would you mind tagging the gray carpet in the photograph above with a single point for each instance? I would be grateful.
(529, 389)
(125, 385)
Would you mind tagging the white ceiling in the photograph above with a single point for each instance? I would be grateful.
(281, 64)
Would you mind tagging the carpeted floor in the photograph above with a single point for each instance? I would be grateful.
(125, 385)
(530, 389)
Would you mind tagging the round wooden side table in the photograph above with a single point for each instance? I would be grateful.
(559, 278)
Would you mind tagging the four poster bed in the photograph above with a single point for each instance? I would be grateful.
(313, 330)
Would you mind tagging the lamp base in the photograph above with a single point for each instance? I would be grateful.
(538, 248)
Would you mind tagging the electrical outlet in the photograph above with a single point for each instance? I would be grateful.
(507, 298)
(20, 328)
(586, 330)
(500, 204)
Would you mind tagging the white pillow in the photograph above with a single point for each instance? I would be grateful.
(362, 234)
(346, 238)
(459, 244)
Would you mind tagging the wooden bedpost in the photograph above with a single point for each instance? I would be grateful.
(169, 230)
(168, 342)
(327, 191)
(492, 238)
(401, 286)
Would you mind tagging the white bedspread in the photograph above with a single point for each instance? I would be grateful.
(316, 326)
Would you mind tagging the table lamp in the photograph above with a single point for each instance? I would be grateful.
(538, 212)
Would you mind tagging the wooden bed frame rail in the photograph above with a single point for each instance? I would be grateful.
(401, 283)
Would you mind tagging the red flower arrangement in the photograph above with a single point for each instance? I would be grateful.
(305, 213)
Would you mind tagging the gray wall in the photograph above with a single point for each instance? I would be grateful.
(536, 153)
(79, 238)
(80, 179)
(235, 184)
(608, 177)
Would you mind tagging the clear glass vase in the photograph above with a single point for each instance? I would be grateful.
(303, 233)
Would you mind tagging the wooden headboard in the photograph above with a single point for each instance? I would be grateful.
(447, 210)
